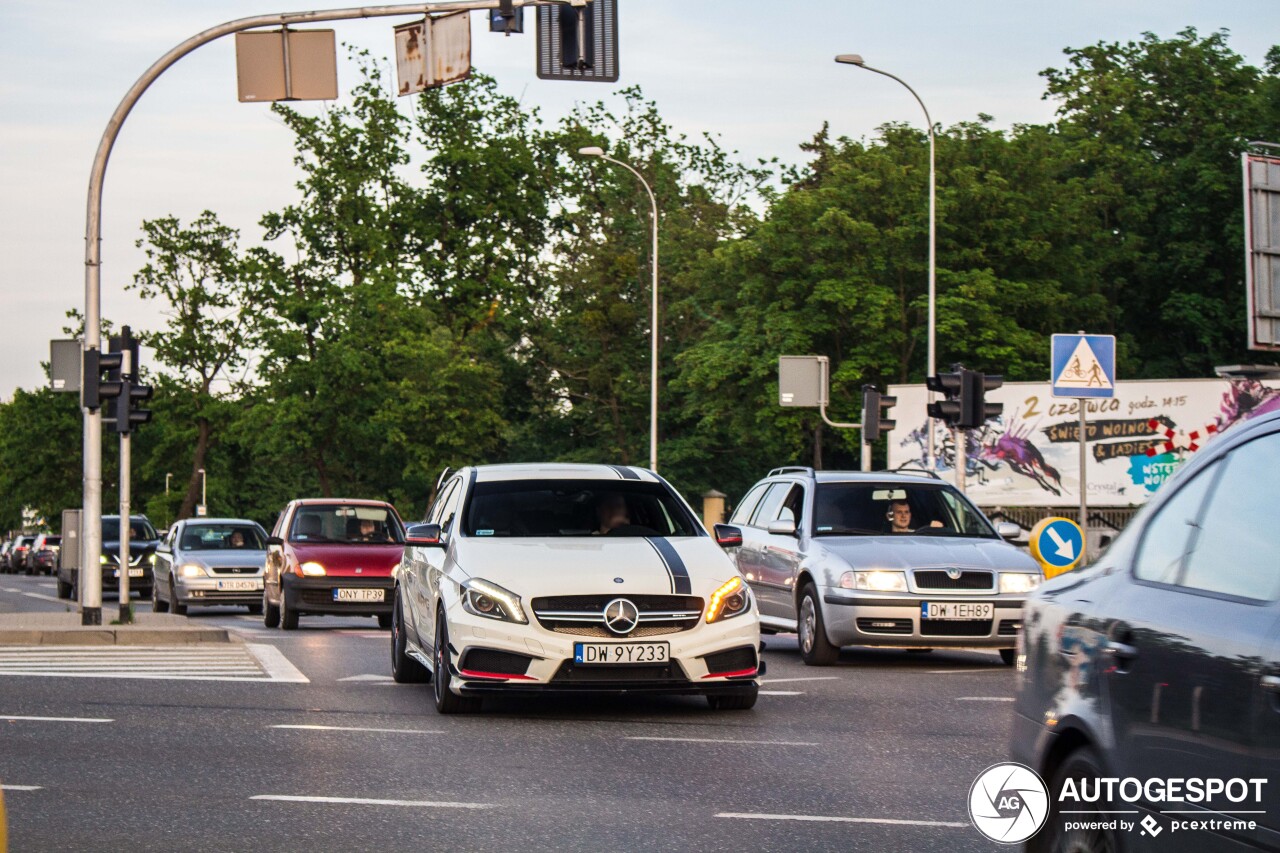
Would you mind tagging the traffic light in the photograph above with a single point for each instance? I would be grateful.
(979, 411)
(94, 388)
(122, 412)
(950, 386)
(874, 405)
(578, 42)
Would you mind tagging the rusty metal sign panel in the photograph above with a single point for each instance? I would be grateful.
(433, 52)
(287, 65)
(1262, 250)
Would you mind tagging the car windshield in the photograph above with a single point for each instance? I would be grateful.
(222, 537)
(346, 524)
(547, 508)
(874, 509)
(140, 530)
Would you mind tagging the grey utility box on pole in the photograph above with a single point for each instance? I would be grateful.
(65, 360)
(69, 553)
(800, 381)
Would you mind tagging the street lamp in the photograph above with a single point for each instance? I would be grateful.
(594, 151)
(204, 492)
(856, 59)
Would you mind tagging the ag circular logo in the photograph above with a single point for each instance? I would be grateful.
(1008, 803)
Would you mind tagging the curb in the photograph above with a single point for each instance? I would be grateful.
(113, 636)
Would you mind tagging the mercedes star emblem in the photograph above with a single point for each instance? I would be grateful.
(621, 616)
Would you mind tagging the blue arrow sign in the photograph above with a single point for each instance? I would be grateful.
(1083, 366)
(1060, 543)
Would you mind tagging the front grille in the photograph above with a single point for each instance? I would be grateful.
(225, 594)
(569, 673)
(955, 627)
(938, 579)
(583, 615)
(734, 660)
(492, 660)
(884, 626)
(236, 570)
(1009, 627)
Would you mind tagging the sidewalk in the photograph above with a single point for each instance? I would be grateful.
(64, 629)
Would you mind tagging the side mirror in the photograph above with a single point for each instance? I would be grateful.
(1008, 531)
(727, 536)
(782, 527)
(275, 542)
(424, 535)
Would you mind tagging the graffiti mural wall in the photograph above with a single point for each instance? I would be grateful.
(1030, 456)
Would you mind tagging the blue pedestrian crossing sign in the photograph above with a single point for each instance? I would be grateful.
(1083, 366)
(1057, 544)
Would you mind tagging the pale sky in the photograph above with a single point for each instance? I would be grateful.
(758, 74)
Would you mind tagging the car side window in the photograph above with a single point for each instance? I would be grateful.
(792, 506)
(433, 515)
(450, 511)
(768, 509)
(1235, 551)
(1167, 537)
(743, 513)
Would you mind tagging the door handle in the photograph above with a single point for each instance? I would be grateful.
(1271, 683)
(1124, 651)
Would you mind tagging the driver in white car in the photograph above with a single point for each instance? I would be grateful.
(611, 512)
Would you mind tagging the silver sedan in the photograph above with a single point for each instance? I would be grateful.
(210, 562)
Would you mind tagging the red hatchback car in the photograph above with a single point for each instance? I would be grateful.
(331, 556)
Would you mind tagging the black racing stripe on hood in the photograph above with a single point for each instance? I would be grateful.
(625, 473)
(680, 583)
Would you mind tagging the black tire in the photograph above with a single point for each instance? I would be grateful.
(815, 648)
(404, 669)
(447, 702)
(1008, 656)
(158, 604)
(735, 702)
(179, 609)
(1081, 764)
(288, 616)
(270, 612)
(64, 589)
(255, 609)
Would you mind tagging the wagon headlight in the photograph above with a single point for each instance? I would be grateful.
(731, 599)
(1016, 582)
(482, 598)
(192, 570)
(876, 580)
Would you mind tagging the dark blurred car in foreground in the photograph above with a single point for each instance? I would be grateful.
(143, 540)
(1159, 666)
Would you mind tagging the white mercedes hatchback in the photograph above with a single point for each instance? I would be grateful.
(527, 579)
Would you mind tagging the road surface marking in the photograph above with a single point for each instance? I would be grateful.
(21, 788)
(781, 692)
(356, 729)
(367, 677)
(45, 597)
(806, 678)
(961, 671)
(827, 818)
(984, 698)
(11, 718)
(357, 801)
(212, 662)
(725, 740)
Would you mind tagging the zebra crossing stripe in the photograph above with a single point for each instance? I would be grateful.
(232, 662)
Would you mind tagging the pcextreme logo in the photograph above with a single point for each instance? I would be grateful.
(1008, 803)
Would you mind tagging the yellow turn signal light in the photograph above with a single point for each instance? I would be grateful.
(729, 600)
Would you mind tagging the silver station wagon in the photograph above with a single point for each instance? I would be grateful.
(208, 562)
(879, 559)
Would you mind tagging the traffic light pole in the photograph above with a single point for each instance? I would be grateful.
(91, 535)
(126, 528)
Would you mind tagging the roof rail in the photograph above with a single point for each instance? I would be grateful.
(791, 469)
(918, 472)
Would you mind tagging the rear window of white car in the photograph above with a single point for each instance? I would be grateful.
(557, 508)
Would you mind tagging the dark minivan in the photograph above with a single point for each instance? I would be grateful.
(1148, 690)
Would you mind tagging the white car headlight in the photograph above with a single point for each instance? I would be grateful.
(192, 570)
(481, 598)
(877, 580)
(1016, 582)
(731, 599)
(312, 569)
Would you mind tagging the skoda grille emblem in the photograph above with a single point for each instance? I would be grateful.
(621, 616)
(954, 574)
(617, 580)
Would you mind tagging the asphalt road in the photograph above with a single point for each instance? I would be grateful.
(877, 753)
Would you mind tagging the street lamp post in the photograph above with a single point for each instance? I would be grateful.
(856, 59)
(204, 491)
(593, 151)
